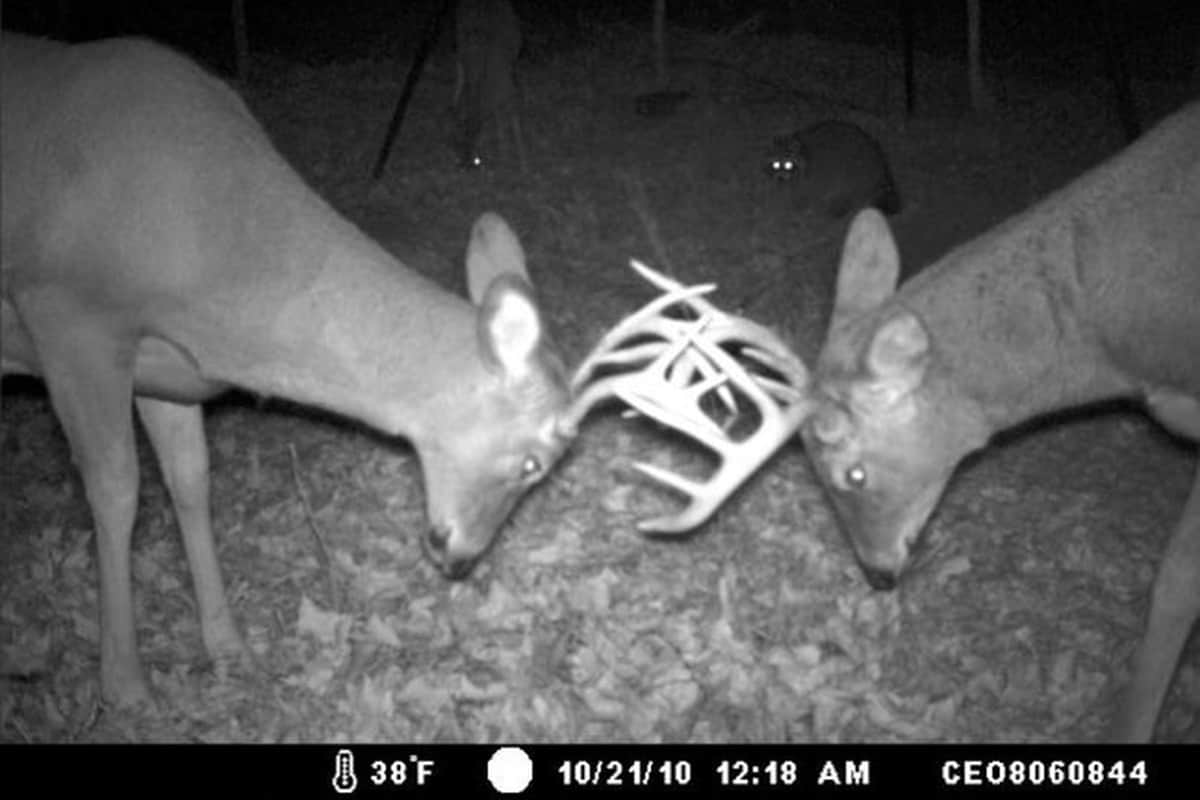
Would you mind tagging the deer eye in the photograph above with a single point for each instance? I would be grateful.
(531, 468)
(856, 476)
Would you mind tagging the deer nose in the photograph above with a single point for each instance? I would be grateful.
(437, 537)
(457, 569)
(437, 546)
(883, 580)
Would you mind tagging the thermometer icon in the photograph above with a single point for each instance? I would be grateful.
(344, 779)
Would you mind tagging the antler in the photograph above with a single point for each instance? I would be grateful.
(680, 363)
(648, 321)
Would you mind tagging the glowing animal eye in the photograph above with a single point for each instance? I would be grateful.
(531, 467)
(856, 476)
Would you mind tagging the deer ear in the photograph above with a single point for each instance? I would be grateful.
(493, 250)
(510, 327)
(898, 354)
(869, 270)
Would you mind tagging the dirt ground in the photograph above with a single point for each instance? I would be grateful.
(1017, 627)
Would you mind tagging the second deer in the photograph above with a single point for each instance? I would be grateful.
(1090, 295)
(487, 36)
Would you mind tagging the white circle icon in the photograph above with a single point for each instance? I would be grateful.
(510, 770)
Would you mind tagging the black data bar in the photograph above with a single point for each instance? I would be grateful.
(571, 771)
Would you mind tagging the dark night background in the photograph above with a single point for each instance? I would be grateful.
(1049, 37)
(1018, 626)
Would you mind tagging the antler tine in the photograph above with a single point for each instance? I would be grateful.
(762, 345)
(781, 413)
(610, 385)
(647, 320)
(678, 362)
(668, 284)
(759, 344)
(765, 346)
(700, 306)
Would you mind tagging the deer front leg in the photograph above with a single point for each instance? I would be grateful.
(1174, 607)
(92, 394)
(177, 434)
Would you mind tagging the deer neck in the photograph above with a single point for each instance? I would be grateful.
(1089, 295)
(339, 324)
(1009, 321)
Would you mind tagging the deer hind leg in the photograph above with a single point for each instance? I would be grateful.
(176, 433)
(1174, 607)
(91, 388)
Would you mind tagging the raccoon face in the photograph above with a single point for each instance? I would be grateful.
(786, 161)
(781, 168)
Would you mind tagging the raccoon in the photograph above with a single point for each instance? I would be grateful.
(835, 168)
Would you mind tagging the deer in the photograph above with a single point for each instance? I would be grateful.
(1092, 294)
(157, 250)
(487, 36)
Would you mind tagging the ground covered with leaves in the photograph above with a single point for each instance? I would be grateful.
(1017, 625)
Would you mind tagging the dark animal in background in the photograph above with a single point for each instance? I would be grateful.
(487, 35)
(835, 168)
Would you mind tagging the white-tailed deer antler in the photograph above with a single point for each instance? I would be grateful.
(681, 366)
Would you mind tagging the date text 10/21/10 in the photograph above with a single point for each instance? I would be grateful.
(729, 772)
